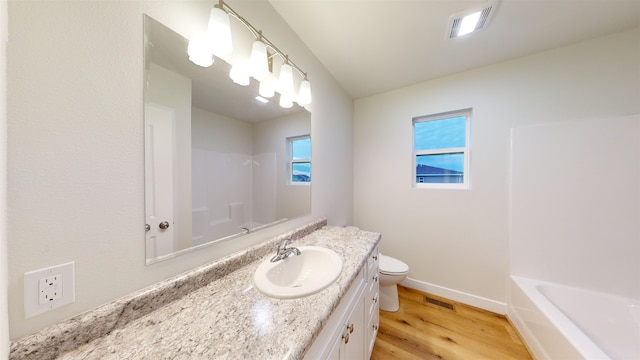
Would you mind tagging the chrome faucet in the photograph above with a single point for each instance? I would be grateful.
(284, 251)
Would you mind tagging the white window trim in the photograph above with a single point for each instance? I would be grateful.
(291, 162)
(466, 184)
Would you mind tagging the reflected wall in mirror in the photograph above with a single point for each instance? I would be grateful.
(218, 163)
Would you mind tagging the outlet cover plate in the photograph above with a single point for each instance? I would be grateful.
(62, 292)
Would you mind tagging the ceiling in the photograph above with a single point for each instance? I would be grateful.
(373, 46)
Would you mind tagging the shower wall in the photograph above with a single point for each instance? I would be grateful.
(575, 204)
(221, 205)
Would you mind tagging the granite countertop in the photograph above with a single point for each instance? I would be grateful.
(229, 319)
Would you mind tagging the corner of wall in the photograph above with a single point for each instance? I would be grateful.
(4, 312)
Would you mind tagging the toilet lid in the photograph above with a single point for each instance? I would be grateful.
(391, 265)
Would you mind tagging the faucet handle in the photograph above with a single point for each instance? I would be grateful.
(284, 243)
(284, 251)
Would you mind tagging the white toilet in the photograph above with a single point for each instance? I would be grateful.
(392, 271)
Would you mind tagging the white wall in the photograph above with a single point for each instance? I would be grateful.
(575, 204)
(4, 311)
(456, 242)
(75, 144)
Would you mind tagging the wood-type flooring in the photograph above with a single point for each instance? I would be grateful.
(423, 330)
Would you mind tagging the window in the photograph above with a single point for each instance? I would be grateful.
(299, 167)
(441, 150)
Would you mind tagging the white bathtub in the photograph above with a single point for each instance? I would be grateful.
(561, 322)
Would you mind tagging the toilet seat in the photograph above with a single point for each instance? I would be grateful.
(389, 265)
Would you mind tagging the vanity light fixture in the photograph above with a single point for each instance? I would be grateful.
(304, 96)
(267, 87)
(259, 61)
(200, 53)
(218, 42)
(471, 20)
(285, 101)
(285, 81)
(239, 73)
(219, 31)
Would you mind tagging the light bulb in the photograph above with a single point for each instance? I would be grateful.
(219, 32)
(304, 95)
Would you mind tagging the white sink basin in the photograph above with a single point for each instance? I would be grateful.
(298, 275)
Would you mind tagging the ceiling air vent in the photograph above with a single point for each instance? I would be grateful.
(470, 20)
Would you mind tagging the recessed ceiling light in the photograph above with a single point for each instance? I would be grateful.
(469, 23)
(470, 20)
(261, 99)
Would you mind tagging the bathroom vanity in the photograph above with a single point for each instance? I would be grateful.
(351, 330)
(214, 312)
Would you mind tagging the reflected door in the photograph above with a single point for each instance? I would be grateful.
(159, 124)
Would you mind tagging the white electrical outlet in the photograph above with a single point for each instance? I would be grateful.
(48, 289)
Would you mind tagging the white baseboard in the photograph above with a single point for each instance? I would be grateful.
(469, 299)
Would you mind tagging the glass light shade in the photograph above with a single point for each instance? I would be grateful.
(285, 101)
(266, 88)
(239, 74)
(304, 96)
(200, 53)
(219, 32)
(285, 81)
(259, 60)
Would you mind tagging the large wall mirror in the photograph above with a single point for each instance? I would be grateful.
(218, 163)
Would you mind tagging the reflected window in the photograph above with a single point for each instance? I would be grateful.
(299, 164)
(441, 150)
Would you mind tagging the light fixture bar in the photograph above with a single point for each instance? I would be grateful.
(258, 34)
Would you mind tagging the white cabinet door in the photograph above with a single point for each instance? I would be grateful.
(355, 319)
(350, 341)
(159, 125)
(354, 348)
(335, 352)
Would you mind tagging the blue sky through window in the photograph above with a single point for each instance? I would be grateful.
(441, 134)
(301, 149)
